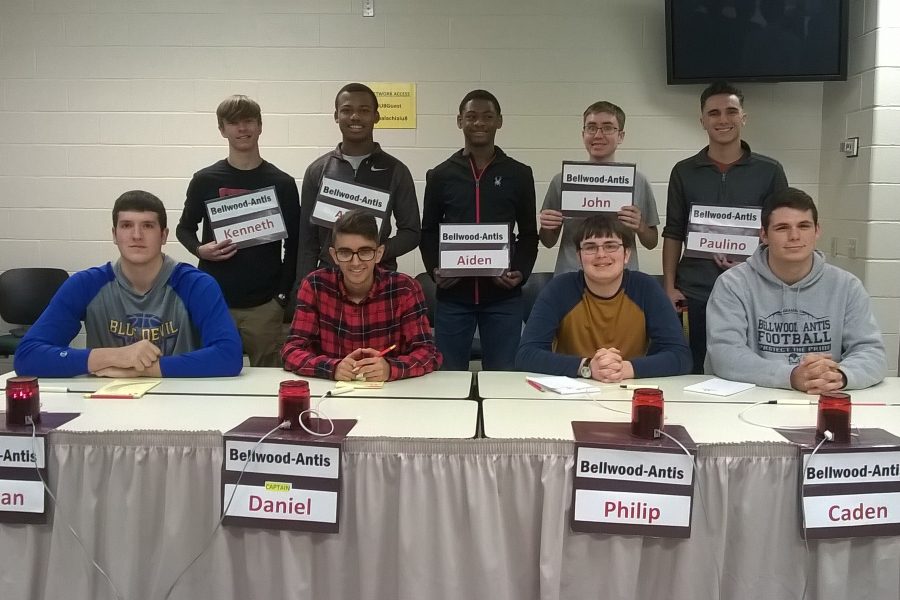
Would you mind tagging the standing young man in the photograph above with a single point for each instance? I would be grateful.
(257, 279)
(480, 184)
(725, 173)
(358, 159)
(145, 315)
(604, 322)
(359, 320)
(786, 318)
(602, 132)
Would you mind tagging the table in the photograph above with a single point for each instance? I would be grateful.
(263, 381)
(511, 384)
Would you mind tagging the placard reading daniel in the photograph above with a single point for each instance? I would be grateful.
(474, 249)
(337, 197)
(732, 231)
(590, 188)
(248, 219)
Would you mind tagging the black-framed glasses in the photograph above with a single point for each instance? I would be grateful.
(605, 129)
(608, 248)
(346, 254)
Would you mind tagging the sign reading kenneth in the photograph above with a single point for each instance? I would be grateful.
(630, 486)
(291, 481)
(590, 188)
(337, 197)
(729, 231)
(247, 219)
(474, 250)
(852, 491)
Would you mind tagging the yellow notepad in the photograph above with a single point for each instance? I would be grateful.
(125, 388)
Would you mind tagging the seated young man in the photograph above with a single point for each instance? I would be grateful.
(146, 315)
(785, 318)
(358, 320)
(603, 322)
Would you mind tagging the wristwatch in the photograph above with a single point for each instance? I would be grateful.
(585, 369)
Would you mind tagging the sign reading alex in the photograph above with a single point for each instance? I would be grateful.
(631, 486)
(247, 219)
(730, 231)
(474, 249)
(590, 188)
(852, 491)
(337, 197)
(291, 481)
(22, 496)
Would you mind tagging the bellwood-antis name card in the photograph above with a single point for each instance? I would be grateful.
(731, 231)
(247, 219)
(591, 188)
(474, 249)
(337, 197)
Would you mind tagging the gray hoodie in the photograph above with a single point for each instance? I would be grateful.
(758, 327)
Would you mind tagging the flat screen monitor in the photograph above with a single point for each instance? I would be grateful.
(756, 40)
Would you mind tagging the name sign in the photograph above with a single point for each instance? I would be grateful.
(851, 492)
(290, 481)
(22, 494)
(730, 231)
(337, 197)
(590, 188)
(630, 486)
(247, 219)
(474, 250)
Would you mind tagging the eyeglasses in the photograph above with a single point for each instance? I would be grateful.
(346, 254)
(605, 129)
(608, 248)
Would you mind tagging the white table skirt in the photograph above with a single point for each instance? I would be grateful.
(424, 519)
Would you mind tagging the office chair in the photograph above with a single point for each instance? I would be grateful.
(24, 294)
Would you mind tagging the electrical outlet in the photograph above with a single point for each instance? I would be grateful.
(850, 147)
(851, 248)
(368, 8)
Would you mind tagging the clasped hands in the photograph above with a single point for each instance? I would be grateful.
(140, 359)
(607, 366)
(364, 364)
(817, 374)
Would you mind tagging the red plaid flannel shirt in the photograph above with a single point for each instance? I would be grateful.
(328, 326)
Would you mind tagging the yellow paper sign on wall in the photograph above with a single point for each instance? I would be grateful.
(396, 105)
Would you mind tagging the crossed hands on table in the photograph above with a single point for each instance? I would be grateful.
(140, 359)
(366, 364)
(607, 366)
(817, 374)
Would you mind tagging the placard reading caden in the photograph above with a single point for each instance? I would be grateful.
(590, 188)
(474, 249)
(337, 197)
(729, 231)
(247, 219)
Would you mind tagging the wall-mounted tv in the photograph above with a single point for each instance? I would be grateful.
(756, 40)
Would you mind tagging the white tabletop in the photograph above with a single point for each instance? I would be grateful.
(263, 381)
(511, 384)
(378, 417)
(707, 423)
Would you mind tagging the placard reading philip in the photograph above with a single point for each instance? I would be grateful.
(474, 249)
(337, 197)
(729, 231)
(591, 188)
(291, 481)
(852, 491)
(631, 486)
(247, 219)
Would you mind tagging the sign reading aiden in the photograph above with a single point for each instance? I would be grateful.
(630, 486)
(248, 219)
(591, 188)
(852, 492)
(337, 197)
(729, 231)
(474, 249)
